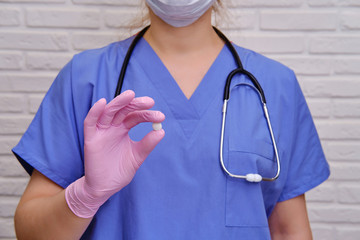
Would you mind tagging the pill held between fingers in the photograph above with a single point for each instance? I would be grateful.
(157, 126)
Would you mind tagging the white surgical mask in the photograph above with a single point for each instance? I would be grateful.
(179, 13)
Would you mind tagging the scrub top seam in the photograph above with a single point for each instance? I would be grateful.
(260, 155)
(213, 98)
(159, 94)
(173, 82)
(303, 188)
(39, 166)
(188, 101)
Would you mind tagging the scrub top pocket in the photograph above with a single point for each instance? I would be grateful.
(248, 149)
(244, 200)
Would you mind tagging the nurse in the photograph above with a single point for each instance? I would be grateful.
(99, 171)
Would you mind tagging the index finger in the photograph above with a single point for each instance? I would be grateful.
(137, 104)
(92, 117)
(114, 106)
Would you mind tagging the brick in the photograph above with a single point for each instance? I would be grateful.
(346, 108)
(348, 232)
(347, 66)
(11, 103)
(14, 124)
(345, 172)
(327, 64)
(10, 60)
(330, 87)
(308, 65)
(34, 103)
(330, 214)
(109, 2)
(270, 44)
(309, 21)
(266, 3)
(13, 186)
(68, 18)
(7, 143)
(9, 16)
(338, 130)
(323, 232)
(335, 44)
(326, 192)
(350, 20)
(320, 108)
(348, 194)
(34, 1)
(24, 82)
(342, 151)
(47, 61)
(349, 3)
(10, 167)
(83, 41)
(7, 228)
(120, 18)
(26, 40)
(236, 19)
(8, 206)
(321, 3)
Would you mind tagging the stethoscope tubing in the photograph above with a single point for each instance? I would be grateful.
(267, 117)
(252, 177)
(127, 59)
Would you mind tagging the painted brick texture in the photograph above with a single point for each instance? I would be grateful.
(319, 39)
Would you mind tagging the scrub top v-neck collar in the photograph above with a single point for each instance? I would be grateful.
(182, 107)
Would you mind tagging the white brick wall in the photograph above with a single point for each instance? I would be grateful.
(319, 39)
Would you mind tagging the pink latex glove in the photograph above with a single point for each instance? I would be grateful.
(111, 157)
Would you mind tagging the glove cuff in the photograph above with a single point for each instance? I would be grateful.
(80, 202)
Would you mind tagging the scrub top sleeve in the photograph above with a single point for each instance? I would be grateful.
(51, 143)
(307, 166)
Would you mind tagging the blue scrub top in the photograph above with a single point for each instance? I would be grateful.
(181, 191)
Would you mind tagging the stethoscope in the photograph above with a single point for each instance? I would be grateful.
(251, 177)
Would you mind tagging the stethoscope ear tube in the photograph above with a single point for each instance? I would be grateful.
(239, 70)
(230, 47)
(127, 59)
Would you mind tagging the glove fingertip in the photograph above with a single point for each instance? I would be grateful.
(160, 133)
(101, 101)
(149, 142)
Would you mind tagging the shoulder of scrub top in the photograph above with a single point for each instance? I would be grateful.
(97, 68)
(278, 81)
(269, 72)
(265, 69)
(109, 52)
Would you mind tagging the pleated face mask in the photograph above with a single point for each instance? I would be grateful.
(179, 13)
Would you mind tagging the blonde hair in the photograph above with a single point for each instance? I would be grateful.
(219, 12)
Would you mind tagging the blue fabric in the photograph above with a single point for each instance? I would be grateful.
(181, 192)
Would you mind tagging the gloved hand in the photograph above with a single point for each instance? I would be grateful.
(111, 157)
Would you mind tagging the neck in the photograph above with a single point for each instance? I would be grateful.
(193, 38)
